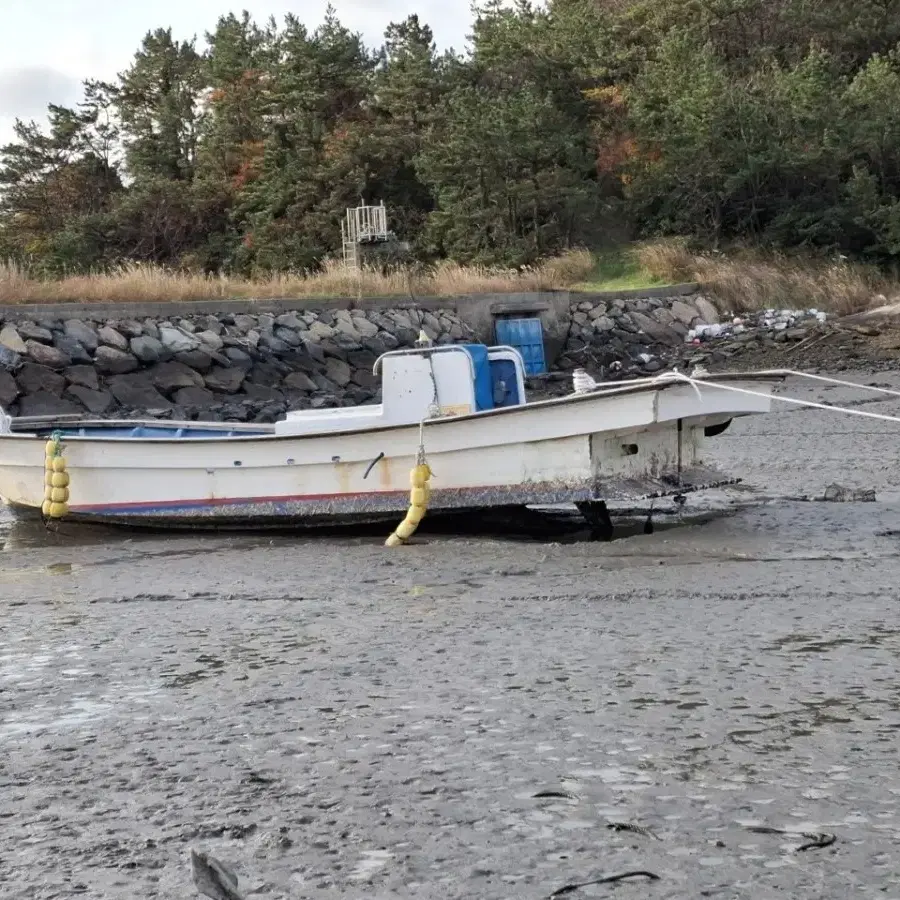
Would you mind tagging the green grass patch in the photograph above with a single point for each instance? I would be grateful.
(618, 269)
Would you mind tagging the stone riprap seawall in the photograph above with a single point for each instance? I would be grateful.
(231, 366)
(634, 334)
(200, 361)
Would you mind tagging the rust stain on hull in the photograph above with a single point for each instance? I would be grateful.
(386, 475)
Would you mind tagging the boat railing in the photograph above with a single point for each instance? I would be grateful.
(506, 348)
(429, 351)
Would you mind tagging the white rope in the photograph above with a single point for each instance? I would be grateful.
(852, 384)
(5, 422)
(678, 376)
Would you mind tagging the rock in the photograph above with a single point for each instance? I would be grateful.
(12, 340)
(176, 340)
(211, 339)
(664, 334)
(147, 349)
(71, 348)
(364, 327)
(684, 312)
(29, 331)
(319, 331)
(402, 319)
(429, 320)
(86, 376)
(200, 360)
(186, 325)
(604, 323)
(43, 403)
(97, 402)
(314, 351)
(362, 359)
(597, 310)
(170, 376)
(365, 379)
(626, 323)
(262, 392)
(150, 328)
(271, 412)
(211, 323)
(663, 316)
(300, 381)
(290, 320)
(338, 371)
(194, 396)
(33, 378)
(9, 390)
(47, 356)
(289, 337)
(867, 330)
(136, 391)
(323, 384)
(225, 380)
(109, 337)
(130, 328)
(113, 361)
(83, 333)
(707, 310)
(345, 326)
(239, 358)
(265, 373)
(244, 324)
(273, 344)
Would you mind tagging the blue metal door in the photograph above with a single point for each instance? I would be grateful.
(527, 337)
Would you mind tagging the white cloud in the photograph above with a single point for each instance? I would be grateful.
(48, 48)
(26, 92)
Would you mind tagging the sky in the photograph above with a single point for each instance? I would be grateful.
(47, 47)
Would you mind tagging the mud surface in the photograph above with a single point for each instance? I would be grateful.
(334, 719)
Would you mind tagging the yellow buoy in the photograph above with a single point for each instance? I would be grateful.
(56, 481)
(419, 495)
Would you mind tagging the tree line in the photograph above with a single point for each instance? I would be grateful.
(574, 123)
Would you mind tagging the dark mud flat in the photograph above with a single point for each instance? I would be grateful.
(335, 719)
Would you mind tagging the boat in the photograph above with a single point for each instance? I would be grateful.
(460, 407)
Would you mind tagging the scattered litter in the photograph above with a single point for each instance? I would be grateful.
(634, 829)
(213, 878)
(818, 840)
(610, 879)
(555, 794)
(838, 493)
(767, 320)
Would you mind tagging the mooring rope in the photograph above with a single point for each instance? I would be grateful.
(696, 383)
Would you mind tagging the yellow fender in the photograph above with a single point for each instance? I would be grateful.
(56, 481)
(419, 495)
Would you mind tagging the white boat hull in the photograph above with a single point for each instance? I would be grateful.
(612, 444)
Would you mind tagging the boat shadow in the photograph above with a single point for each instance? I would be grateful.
(517, 524)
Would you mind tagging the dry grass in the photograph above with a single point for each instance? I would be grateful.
(749, 280)
(140, 283)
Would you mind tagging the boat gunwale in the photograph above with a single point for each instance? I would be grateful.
(650, 385)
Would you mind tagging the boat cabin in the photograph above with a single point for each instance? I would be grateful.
(424, 382)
